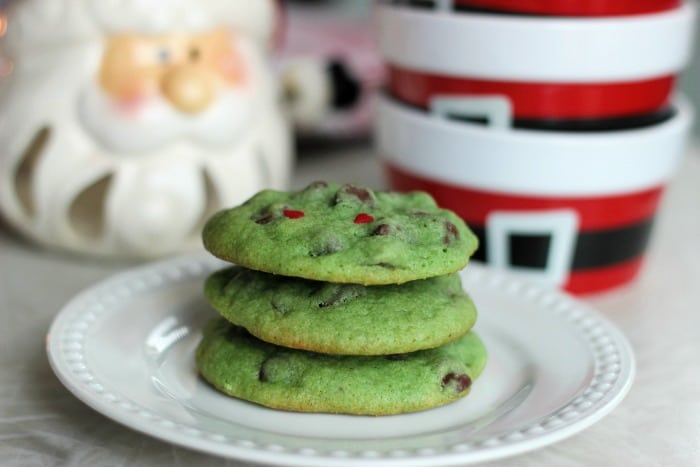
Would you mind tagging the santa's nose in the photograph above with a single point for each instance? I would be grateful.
(188, 88)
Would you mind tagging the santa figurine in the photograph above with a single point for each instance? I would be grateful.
(124, 124)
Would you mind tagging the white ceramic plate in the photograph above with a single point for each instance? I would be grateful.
(125, 347)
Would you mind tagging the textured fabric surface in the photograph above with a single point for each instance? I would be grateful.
(41, 423)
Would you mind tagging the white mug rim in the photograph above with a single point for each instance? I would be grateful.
(549, 49)
(511, 160)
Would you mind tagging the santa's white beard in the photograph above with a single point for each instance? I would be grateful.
(155, 123)
(152, 204)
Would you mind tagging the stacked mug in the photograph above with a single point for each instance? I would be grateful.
(551, 127)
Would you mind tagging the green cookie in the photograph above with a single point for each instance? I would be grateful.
(347, 234)
(346, 319)
(242, 366)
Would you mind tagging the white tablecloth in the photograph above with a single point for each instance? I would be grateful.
(658, 424)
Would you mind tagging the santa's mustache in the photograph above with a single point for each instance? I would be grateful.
(151, 123)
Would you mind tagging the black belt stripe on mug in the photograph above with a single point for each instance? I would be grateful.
(580, 125)
(593, 249)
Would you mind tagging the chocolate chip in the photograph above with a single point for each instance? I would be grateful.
(264, 219)
(334, 299)
(451, 233)
(460, 382)
(263, 377)
(363, 195)
(280, 366)
(264, 216)
(317, 185)
(340, 294)
(328, 247)
(382, 229)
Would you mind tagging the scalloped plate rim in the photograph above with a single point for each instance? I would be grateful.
(194, 266)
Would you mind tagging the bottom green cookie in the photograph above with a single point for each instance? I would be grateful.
(245, 367)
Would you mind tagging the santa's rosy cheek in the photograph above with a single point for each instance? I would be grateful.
(233, 69)
(130, 104)
(137, 85)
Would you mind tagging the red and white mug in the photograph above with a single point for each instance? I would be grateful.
(552, 7)
(574, 210)
(537, 71)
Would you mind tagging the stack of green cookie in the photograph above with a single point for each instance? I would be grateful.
(343, 300)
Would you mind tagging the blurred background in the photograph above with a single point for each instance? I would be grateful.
(354, 10)
(327, 63)
(356, 15)
(690, 82)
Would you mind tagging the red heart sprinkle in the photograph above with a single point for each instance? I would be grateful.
(363, 218)
(292, 214)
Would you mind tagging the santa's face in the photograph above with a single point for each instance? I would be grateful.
(152, 90)
(124, 142)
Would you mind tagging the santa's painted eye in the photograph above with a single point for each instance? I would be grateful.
(164, 55)
(194, 54)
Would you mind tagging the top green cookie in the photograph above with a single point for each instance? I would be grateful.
(342, 233)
